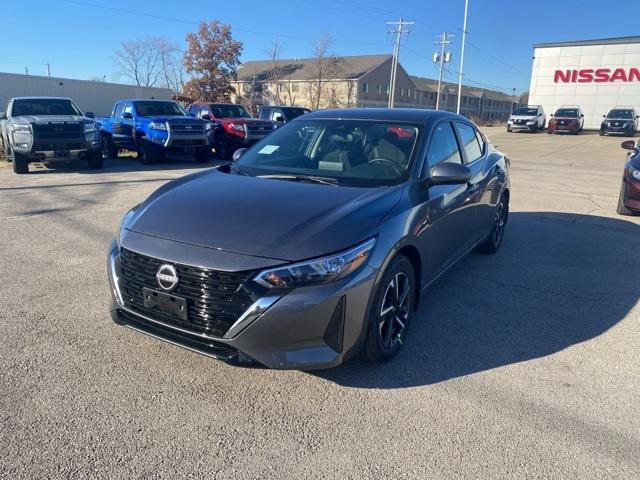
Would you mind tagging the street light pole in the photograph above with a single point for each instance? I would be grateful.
(464, 35)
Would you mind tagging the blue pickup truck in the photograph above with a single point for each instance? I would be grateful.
(153, 129)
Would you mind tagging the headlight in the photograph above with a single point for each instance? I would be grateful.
(21, 129)
(635, 173)
(126, 221)
(89, 127)
(238, 128)
(510, 121)
(531, 122)
(158, 126)
(321, 270)
(207, 126)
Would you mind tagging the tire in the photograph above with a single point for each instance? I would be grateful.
(147, 152)
(602, 134)
(107, 148)
(203, 156)
(95, 160)
(549, 131)
(621, 209)
(20, 163)
(221, 144)
(493, 242)
(508, 130)
(386, 334)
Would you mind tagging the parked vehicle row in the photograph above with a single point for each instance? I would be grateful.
(51, 129)
(570, 119)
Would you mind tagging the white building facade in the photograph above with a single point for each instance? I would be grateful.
(596, 75)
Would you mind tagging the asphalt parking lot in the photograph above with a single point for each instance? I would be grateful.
(520, 365)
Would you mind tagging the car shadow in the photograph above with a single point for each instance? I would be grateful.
(559, 279)
(120, 164)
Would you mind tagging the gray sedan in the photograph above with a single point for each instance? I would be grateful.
(316, 243)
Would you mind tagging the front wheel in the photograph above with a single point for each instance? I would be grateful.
(108, 148)
(20, 163)
(147, 153)
(391, 312)
(494, 240)
(221, 144)
(622, 209)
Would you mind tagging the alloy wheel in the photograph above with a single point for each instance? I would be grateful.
(394, 313)
(500, 222)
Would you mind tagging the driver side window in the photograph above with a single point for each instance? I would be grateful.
(443, 147)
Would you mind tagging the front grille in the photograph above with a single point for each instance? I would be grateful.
(57, 146)
(186, 128)
(259, 128)
(215, 299)
(52, 131)
(189, 143)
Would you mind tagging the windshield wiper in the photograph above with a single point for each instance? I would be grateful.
(303, 178)
(238, 170)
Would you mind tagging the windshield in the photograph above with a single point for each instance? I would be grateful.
(229, 111)
(620, 114)
(567, 112)
(292, 113)
(44, 106)
(151, 109)
(527, 111)
(351, 152)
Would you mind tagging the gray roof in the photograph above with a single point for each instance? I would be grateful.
(350, 67)
(431, 85)
(599, 41)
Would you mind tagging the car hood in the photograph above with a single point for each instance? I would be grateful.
(241, 120)
(611, 119)
(522, 117)
(49, 119)
(277, 219)
(173, 118)
(565, 118)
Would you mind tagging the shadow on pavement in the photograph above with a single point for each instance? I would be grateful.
(560, 279)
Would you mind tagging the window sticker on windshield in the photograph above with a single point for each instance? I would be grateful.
(268, 149)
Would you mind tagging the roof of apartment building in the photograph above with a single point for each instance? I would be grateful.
(431, 85)
(350, 67)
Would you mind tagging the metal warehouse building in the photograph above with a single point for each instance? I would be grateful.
(597, 75)
(90, 96)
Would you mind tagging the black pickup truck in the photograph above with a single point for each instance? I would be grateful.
(44, 129)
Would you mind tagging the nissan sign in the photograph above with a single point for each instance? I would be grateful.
(597, 75)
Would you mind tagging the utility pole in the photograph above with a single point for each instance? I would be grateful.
(48, 70)
(26, 70)
(464, 36)
(441, 58)
(513, 99)
(399, 30)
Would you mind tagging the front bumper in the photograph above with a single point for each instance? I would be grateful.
(522, 126)
(60, 149)
(632, 197)
(307, 328)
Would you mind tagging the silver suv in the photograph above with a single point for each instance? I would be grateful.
(531, 118)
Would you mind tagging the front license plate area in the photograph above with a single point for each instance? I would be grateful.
(165, 301)
(189, 150)
(62, 153)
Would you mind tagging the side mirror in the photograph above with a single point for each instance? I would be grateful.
(637, 116)
(449, 174)
(89, 114)
(3, 115)
(604, 116)
(127, 115)
(279, 119)
(581, 115)
(628, 145)
(551, 114)
(206, 116)
(238, 153)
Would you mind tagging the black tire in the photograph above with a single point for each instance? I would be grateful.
(147, 152)
(95, 160)
(549, 131)
(221, 144)
(493, 242)
(621, 209)
(107, 148)
(20, 163)
(508, 129)
(602, 134)
(386, 333)
(203, 156)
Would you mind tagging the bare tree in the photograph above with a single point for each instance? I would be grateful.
(139, 61)
(273, 52)
(320, 49)
(173, 74)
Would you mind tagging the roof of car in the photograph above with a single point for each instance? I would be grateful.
(42, 97)
(283, 106)
(421, 115)
(144, 100)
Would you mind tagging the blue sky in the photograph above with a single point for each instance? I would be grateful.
(78, 37)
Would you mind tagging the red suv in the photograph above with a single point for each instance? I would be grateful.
(568, 119)
(629, 200)
(236, 127)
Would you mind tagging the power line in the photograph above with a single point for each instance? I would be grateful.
(398, 31)
(441, 58)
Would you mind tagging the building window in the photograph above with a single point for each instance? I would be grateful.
(245, 87)
(294, 87)
(386, 90)
(379, 89)
(281, 87)
(402, 92)
(365, 87)
(409, 92)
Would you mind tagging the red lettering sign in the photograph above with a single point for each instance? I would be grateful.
(599, 75)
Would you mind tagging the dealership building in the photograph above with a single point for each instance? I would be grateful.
(596, 75)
